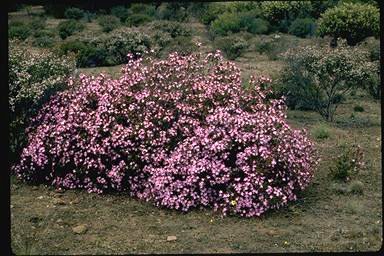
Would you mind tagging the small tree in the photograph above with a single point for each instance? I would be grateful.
(353, 22)
(330, 74)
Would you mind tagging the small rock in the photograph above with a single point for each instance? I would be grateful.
(59, 190)
(59, 220)
(171, 238)
(76, 201)
(11, 206)
(277, 36)
(35, 188)
(58, 201)
(271, 232)
(40, 197)
(80, 229)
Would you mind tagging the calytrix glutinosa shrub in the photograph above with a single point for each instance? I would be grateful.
(181, 133)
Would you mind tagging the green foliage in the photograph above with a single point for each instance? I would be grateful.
(211, 12)
(358, 108)
(43, 39)
(142, 8)
(176, 11)
(107, 49)
(32, 79)
(302, 27)
(138, 19)
(74, 13)
(108, 22)
(283, 12)
(121, 12)
(324, 76)
(174, 28)
(356, 187)
(21, 32)
(227, 22)
(69, 27)
(347, 164)
(353, 22)
(180, 44)
(321, 132)
(232, 46)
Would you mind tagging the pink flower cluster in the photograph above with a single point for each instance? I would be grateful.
(182, 133)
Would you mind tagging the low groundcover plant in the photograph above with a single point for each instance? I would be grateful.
(182, 133)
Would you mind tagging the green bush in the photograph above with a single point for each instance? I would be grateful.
(182, 45)
(258, 26)
(347, 164)
(74, 13)
(21, 32)
(227, 22)
(321, 132)
(232, 46)
(323, 77)
(277, 12)
(69, 27)
(142, 8)
(37, 23)
(174, 28)
(353, 22)
(176, 11)
(356, 187)
(107, 49)
(108, 22)
(32, 78)
(302, 27)
(138, 19)
(43, 38)
(121, 12)
(211, 12)
(358, 108)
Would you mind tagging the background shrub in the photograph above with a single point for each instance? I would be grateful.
(281, 13)
(108, 22)
(167, 134)
(174, 28)
(69, 27)
(138, 19)
(347, 164)
(121, 12)
(19, 31)
(321, 132)
(211, 12)
(183, 45)
(225, 23)
(32, 78)
(74, 13)
(43, 38)
(232, 46)
(176, 11)
(147, 9)
(325, 76)
(302, 27)
(353, 22)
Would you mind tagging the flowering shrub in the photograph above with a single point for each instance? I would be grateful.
(182, 133)
(32, 78)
